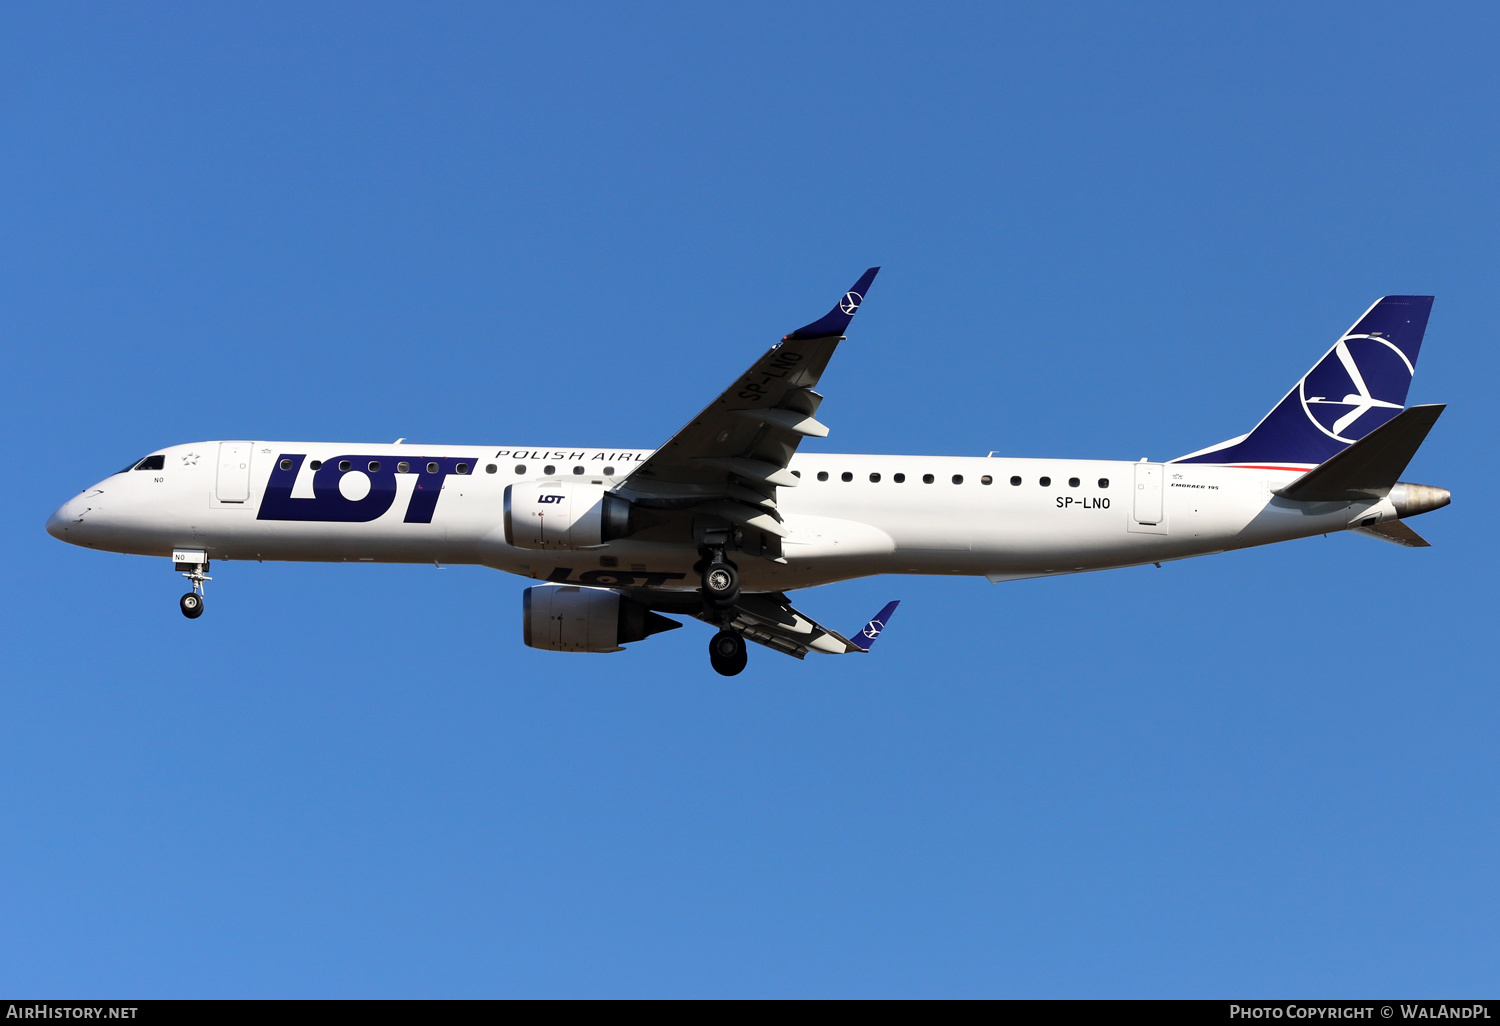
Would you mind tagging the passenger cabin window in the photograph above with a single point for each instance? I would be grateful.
(578, 470)
(156, 462)
(1072, 482)
(345, 464)
(846, 476)
(927, 479)
(462, 468)
(958, 479)
(874, 478)
(316, 465)
(403, 467)
(899, 478)
(520, 468)
(549, 469)
(1044, 482)
(1016, 481)
(822, 475)
(796, 473)
(1104, 482)
(986, 479)
(610, 471)
(285, 464)
(374, 466)
(490, 468)
(432, 468)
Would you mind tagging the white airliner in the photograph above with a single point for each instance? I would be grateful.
(727, 517)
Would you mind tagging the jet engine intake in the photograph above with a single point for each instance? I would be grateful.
(567, 618)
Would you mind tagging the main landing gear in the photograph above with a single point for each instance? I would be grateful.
(721, 590)
(192, 603)
(721, 582)
(726, 652)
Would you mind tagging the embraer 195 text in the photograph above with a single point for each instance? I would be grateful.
(726, 518)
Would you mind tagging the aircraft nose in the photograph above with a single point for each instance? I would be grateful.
(66, 524)
(57, 523)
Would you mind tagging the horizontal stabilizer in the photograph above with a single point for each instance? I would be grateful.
(1370, 467)
(866, 637)
(1395, 531)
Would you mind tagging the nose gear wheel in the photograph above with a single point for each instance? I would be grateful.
(191, 604)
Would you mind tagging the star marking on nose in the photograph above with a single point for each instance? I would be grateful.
(190, 460)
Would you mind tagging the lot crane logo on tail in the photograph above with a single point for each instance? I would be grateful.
(1362, 362)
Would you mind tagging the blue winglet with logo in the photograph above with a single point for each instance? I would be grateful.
(837, 319)
(1358, 385)
(865, 638)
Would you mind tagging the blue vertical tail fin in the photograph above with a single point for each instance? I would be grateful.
(1356, 387)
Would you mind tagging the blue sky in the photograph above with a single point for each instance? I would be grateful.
(1110, 231)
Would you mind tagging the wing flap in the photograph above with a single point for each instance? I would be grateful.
(746, 516)
(769, 620)
(795, 421)
(753, 470)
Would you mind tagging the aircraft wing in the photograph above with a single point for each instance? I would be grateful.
(729, 460)
(770, 620)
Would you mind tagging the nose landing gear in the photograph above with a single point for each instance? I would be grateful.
(192, 603)
(726, 653)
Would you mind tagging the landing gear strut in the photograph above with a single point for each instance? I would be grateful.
(192, 603)
(726, 652)
(721, 590)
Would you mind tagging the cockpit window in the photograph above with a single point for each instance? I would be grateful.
(156, 462)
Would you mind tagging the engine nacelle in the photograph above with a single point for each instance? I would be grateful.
(567, 618)
(553, 515)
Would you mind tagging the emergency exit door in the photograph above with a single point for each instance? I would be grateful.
(234, 472)
(1148, 493)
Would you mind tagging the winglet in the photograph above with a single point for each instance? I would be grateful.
(837, 319)
(866, 637)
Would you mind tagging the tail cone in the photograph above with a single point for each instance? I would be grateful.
(1411, 499)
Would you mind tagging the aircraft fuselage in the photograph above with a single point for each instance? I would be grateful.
(849, 515)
